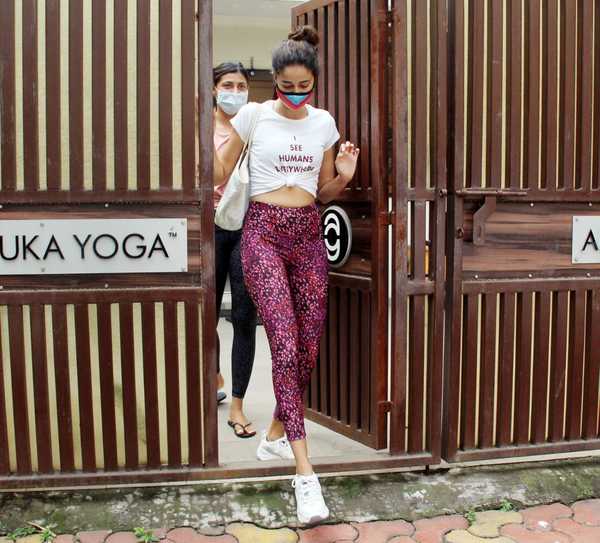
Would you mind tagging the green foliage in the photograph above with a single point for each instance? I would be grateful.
(21, 531)
(506, 506)
(470, 516)
(145, 536)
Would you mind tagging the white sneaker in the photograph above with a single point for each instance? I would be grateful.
(310, 505)
(274, 450)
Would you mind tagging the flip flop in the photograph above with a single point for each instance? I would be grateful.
(244, 434)
(221, 395)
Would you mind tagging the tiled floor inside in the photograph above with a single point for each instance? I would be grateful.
(259, 404)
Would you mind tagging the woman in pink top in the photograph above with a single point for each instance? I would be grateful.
(231, 93)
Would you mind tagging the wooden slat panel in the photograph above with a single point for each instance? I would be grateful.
(540, 367)
(63, 388)
(460, 105)
(577, 317)
(496, 115)
(150, 385)
(532, 89)
(586, 57)
(592, 366)
(129, 392)
(596, 98)
(505, 374)
(354, 361)
(143, 94)
(487, 371)
(8, 144)
(84, 383)
(107, 399)
(4, 387)
(366, 372)
(569, 96)
(523, 367)
(75, 95)
(477, 63)
(331, 63)
(515, 85)
(419, 232)
(560, 308)
(416, 373)
(188, 92)
(99, 96)
(469, 370)
(345, 348)
(334, 358)
(365, 98)
(321, 25)
(166, 94)
(193, 380)
(30, 95)
(120, 109)
(342, 69)
(172, 384)
(551, 98)
(40, 387)
(19, 388)
(353, 72)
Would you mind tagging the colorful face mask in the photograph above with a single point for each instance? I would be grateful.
(294, 100)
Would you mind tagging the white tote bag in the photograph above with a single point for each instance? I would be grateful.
(233, 205)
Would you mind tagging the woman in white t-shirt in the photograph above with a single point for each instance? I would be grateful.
(292, 163)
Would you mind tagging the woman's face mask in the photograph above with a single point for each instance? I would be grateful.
(231, 102)
(294, 100)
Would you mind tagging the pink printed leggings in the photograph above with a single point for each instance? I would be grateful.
(285, 269)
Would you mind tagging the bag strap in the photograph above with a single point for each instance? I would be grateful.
(255, 118)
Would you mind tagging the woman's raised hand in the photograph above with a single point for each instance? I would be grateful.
(345, 162)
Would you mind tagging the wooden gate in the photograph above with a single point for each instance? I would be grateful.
(348, 391)
(523, 365)
(97, 104)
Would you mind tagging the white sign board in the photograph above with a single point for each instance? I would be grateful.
(586, 240)
(93, 246)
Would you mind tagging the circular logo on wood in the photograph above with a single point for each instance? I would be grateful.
(337, 232)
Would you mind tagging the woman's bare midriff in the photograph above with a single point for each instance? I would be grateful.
(286, 197)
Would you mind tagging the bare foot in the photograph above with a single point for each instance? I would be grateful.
(220, 381)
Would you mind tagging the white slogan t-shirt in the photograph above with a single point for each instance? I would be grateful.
(285, 152)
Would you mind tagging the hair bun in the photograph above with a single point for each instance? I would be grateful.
(305, 33)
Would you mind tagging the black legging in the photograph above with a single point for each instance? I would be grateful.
(243, 312)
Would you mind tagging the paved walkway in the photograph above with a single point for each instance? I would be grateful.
(554, 523)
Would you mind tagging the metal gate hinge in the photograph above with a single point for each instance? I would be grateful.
(390, 217)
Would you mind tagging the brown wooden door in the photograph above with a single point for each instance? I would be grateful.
(107, 378)
(523, 367)
(348, 391)
(418, 117)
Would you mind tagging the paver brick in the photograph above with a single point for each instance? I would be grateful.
(34, 538)
(587, 512)
(122, 537)
(488, 523)
(402, 539)
(579, 533)
(97, 536)
(64, 538)
(189, 535)
(540, 518)
(328, 534)
(248, 533)
(381, 531)
(432, 530)
(464, 536)
(521, 534)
